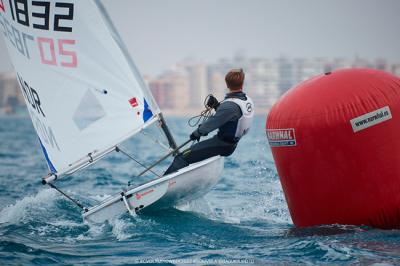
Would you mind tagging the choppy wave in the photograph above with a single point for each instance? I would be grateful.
(244, 217)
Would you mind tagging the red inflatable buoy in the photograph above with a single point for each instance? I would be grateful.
(336, 143)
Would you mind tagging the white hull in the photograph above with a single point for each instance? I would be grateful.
(180, 187)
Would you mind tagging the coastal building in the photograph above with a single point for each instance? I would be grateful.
(11, 99)
(216, 76)
(286, 74)
(263, 78)
(216, 84)
(171, 90)
(183, 88)
(198, 83)
(396, 69)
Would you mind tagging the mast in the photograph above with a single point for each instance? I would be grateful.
(167, 133)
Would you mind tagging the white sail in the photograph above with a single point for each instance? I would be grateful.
(83, 93)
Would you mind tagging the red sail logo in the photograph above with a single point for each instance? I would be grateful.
(133, 102)
(2, 6)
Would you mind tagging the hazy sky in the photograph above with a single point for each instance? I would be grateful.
(160, 33)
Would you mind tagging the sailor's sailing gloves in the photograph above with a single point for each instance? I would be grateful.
(212, 102)
(195, 135)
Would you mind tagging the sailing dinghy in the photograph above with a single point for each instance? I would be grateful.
(85, 96)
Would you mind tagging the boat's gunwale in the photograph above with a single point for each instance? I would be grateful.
(117, 197)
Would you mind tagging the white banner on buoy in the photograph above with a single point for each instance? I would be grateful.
(371, 119)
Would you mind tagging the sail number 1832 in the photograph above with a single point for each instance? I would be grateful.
(57, 50)
(38, 14)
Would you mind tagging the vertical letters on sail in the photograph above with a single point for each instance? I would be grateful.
(77, 81)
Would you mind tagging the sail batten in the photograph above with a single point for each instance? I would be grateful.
(82, 90)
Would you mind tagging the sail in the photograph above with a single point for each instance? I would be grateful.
(82, 91)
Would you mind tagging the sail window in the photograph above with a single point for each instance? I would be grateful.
(89, 111)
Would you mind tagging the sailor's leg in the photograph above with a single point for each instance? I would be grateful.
(178, 163)
(201, 151)
(206, 149)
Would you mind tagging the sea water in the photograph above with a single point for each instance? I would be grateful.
(244, 220)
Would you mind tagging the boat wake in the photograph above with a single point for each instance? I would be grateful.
(29, 208)
(49, 214)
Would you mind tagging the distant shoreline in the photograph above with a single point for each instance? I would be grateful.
(172, 113)
(193, 112)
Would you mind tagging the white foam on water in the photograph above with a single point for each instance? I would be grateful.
(45, 230)
(120, 228)
(65, 223)
(335, 251)
(17, 212)
(100, 198)
(266, 203)
(199, 206)
(272, 206)
(94, 231)
(204, 208)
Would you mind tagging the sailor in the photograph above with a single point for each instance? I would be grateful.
(233, 119)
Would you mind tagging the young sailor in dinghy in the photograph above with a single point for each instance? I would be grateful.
(233, 119)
